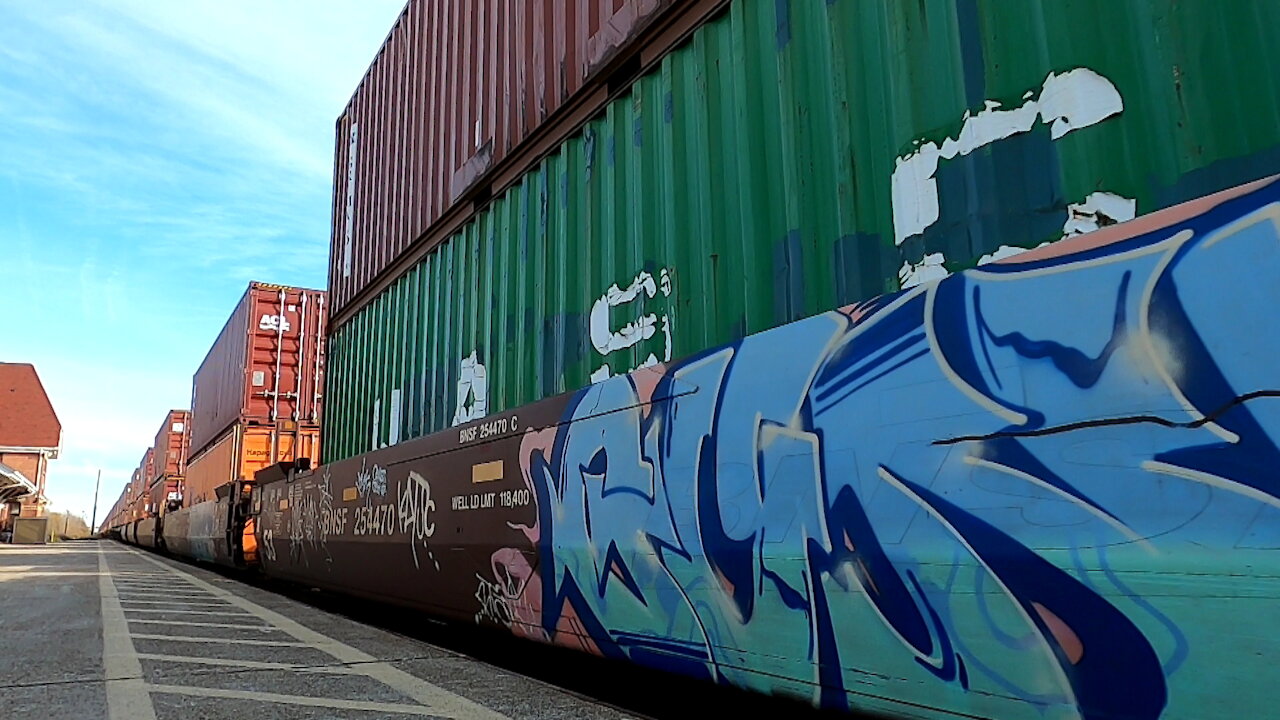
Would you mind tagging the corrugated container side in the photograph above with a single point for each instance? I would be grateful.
(267, 364)
(242, 451)
(170, 448)
(217, 388)
(140, 486)
(456, 87)
(796, 157)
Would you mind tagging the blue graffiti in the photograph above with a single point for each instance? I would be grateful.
(962, 496)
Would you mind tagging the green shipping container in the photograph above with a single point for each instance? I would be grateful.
(797, 156)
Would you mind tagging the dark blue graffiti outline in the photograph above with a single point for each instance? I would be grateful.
(1110, 666)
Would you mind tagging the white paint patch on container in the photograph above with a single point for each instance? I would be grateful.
(1076, 99)
(394, 430)
(1099, 209)
(473, 390)
(928, 269)
(1004, 251)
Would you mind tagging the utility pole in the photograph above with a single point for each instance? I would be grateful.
(93, 524)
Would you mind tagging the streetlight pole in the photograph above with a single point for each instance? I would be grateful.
(93, 524)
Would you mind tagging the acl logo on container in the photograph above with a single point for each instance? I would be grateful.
(274, 322)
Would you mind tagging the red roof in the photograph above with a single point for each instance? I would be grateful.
(26, 416)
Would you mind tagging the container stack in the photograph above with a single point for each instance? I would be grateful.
(170, 462)
(256, 398)
(255, 401)
(532, 197)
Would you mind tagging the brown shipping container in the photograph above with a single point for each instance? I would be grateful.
(456, 89)
(242, 451)
(266, 366)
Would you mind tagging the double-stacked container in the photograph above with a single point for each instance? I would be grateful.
(517, 214)
(256, 399)
(170, 461)
(139, 486)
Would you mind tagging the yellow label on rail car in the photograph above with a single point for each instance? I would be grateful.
(486, 472)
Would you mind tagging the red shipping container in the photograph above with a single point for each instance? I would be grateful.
(169, 460)
(266, 366)
(139, 487)
(455, 91)
(170, 449)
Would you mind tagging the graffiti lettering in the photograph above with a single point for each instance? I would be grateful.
(942, 486)
(606, 341)
(372, 481)
(493, 603)
(414, 513)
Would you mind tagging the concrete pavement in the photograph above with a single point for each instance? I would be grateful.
(101, 630)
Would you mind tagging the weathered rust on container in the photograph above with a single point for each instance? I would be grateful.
(266, 366)
(455, 91)
(242, 451)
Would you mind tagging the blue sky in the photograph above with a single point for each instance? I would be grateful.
(155, 157)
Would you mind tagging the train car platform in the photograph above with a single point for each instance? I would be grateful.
(96, 629)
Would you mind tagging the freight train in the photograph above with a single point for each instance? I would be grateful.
(255, 401)
(965, 499)
(585, 383)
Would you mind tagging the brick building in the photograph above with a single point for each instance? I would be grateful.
(29, 438)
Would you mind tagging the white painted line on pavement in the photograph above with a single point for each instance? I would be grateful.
(440, 701)
(250, 664)
(218, 640)
(127, 697)
(174, 602)
(336, 703)
(176, 611)
(191, 623)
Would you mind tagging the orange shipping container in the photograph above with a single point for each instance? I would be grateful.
(242, 451)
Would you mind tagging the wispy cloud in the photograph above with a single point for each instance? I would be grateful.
(154, 157)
